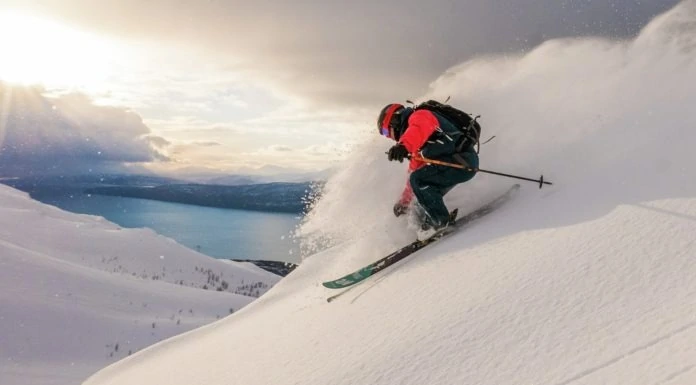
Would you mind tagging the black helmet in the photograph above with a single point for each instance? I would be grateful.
(389, 121)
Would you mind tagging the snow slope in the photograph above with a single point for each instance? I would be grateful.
(590, 281)
(78, 292)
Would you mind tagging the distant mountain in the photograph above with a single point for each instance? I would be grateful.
(234, 180)
(236, 192)
(274, 197)
(266, 174)
(43, 183)
(231, 180)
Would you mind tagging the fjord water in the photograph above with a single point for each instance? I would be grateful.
(219, 233)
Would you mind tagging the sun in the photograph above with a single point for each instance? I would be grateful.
(40, 51)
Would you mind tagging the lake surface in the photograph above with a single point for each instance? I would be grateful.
(219, 233)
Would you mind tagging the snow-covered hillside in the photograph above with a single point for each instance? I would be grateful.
(590, 281)
(78, 292)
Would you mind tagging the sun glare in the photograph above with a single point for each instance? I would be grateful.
(40, 51)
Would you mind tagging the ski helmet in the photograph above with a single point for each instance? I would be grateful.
(389, 121)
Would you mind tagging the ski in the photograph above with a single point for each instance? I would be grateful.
(377, 266)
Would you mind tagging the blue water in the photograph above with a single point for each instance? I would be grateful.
(219, 233)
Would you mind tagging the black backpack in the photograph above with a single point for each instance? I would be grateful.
(469, 127)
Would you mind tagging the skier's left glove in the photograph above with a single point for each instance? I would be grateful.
(400, 209)
(397, 152)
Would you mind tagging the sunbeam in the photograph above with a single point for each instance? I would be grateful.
(40, 51)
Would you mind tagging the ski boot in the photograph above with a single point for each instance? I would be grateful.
(428, 228)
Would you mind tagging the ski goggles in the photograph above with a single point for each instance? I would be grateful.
(386, 129)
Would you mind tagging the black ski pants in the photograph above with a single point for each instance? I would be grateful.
(430, 183)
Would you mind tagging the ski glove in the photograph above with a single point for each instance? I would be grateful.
(400, 209)
(397, 152)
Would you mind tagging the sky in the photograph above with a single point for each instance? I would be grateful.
(243, 87)
(588, 281)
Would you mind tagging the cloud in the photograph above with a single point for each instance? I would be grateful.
(354, 53)
(305, 74)
(158, 141)
(280, 148)
(68, 134)
(190, 124)
(207, 144)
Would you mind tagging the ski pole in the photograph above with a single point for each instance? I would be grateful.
(541, 180)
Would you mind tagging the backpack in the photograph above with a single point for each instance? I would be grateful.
(469, 127)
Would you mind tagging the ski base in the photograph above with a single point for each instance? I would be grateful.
(377, 266)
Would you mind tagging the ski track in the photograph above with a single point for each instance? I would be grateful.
(688, 328)
(674, 376)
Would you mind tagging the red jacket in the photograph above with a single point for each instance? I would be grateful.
(421, 125)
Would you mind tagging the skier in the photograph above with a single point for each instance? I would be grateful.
(421, 133)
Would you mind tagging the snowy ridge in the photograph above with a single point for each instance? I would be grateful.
(149, 258)
(78, 292)
(588, 282)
